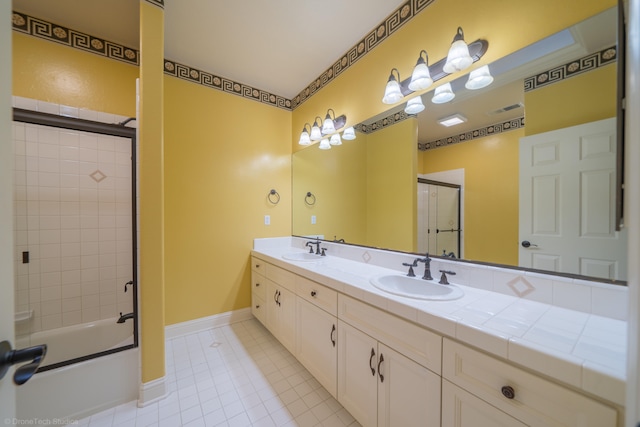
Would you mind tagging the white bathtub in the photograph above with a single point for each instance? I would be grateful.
(75, 341)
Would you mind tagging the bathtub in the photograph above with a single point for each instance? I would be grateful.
(89, 386)
(71, 342)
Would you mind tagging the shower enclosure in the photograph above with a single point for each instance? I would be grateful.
(439, 226)
(75, 236)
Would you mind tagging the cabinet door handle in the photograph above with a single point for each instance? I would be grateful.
(508, 392)
(275, 297)
(313, 293)
(278, 299)
(379, 371)
(333, 340)
(373, 369)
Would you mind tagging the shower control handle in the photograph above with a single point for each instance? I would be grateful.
(10, 357)
(130, 282)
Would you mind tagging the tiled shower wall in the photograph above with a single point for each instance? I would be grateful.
(73, 214)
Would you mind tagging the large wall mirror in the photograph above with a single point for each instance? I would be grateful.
(535, 159)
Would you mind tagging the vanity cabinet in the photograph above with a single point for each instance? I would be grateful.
(281, 305)
(500, 391)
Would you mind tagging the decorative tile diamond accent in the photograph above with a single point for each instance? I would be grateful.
(98, 176)
(521, 286)
(366, 256)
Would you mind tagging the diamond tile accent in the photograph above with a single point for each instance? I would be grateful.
(98, 176)
(366, 256)
(521, 286)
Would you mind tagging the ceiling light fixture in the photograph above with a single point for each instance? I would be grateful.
(421, 77)
(304, 136)
(414, 105)
(453, 120)
(443, 94)
(458, 58)
(479, 78)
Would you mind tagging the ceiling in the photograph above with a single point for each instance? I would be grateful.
(279, 46)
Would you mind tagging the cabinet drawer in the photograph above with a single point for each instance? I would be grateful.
(281, 276)
(259, 284)
(525, 396)
(413, 341)
(258, 309)
(317, 294)
(258, 265)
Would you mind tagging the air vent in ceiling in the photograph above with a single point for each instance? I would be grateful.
(505, 109)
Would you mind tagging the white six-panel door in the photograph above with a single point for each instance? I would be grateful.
(567, 195)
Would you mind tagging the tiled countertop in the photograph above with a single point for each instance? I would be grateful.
(582, 350)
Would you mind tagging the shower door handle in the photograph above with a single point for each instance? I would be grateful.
(10, 357)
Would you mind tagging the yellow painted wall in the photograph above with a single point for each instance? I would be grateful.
(357, 92)
(337, 178)
(392, 187)
(580, 99)
(490, 193)
(59, 74)
(223, 154)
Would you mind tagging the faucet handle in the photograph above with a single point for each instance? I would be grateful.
(443, 278)
(323, 250)
(410, 273)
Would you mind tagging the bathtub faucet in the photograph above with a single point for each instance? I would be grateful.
(124, 317)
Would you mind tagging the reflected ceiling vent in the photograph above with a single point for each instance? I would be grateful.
(505, 109)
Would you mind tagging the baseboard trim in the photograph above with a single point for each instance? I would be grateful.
(152, 392)
(204, 323)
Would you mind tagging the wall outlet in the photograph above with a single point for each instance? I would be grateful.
(267, 220)
(313, 219)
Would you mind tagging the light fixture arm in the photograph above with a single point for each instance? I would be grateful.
(459, 35)
(422, 60)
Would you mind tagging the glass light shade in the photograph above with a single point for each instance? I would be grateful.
(324, 144)
(458, 58)
(328, 126)
(443, 94)
(392, 93)
(335, 139)
(421, 77)
(479, 78)
(315, 133)
(349, 134)
(414, 105)
(304, 138)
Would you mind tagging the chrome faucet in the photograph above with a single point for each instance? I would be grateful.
(124, 317)
(427, 267)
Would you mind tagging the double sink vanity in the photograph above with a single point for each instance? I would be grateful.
(401, 351)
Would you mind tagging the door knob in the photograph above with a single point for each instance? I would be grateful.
(10, 357)
(526, 244)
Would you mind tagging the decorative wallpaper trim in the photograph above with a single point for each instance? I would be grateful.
(204, 78)
(474, 134)
(72, 38)
(159, 3)
(570, 69)
(390, 25)
(383, 122)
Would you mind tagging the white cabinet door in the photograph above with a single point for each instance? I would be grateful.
(271, 302)
(357, 378)
(281, 314)
(316, 344)
(463, 409)
(408, 393)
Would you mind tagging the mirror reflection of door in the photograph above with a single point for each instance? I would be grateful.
(567, 174)
(439, 218)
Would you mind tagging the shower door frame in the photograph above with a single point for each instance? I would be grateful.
(119, 130)
(459, 188)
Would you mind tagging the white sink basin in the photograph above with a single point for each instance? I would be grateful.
(415, 287)
(301, 256)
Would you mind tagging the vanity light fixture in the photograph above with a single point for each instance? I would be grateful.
(421, 77)
(324, 144)
(458, 58)
(452, 120)
(335, 139)
(414, 105)
(328, 126)
(443, 94)
(392, 92)
(304, 136)
(479, 78)
(349, 134)
(316, 135)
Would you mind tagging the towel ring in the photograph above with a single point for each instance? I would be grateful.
(273, 197)
(310, 199)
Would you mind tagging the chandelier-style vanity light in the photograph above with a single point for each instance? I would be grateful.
(349, 134)
(304, 136)
(324, 144)
(316, 134)
(460, 57)
(327, 131)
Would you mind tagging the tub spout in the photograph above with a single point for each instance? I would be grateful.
(124, 317)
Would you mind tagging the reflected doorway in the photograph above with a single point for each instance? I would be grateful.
(439, 221)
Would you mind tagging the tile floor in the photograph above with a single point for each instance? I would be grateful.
(237, 375)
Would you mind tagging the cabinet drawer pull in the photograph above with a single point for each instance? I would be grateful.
(257, 284)
(257, 265)
(379, 371)
(313, 293)
(333, 340)
(257, 306)
(508, 392)
(373, 369)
